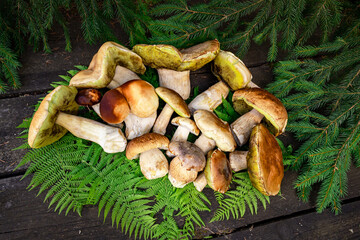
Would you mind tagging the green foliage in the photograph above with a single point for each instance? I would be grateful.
(323, 102)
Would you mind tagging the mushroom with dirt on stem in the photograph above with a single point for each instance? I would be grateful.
(265, 106)
(153, 163)
(174, 102)
(54, 118)
(174, 66)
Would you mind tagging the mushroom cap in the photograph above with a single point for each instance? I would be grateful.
(102, 67)
(230, 69)
(217, 171)
(213, 127)
(264, 102)
(265, 161)
(197, 56)
(190, 155)
(178, 175)
(114, 107)
(88, 97)
(159, 56)
(186, 123)
(141, 97)
(43, 129)
(153, 164)
(146, 142)
(175, 101)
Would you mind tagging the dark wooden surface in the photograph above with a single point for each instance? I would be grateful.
(23, 215)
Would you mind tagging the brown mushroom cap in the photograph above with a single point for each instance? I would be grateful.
(265, 161)
(175, 101)
(141, 97)
(264, 102)
(178, 175)
(43, 129)
(88, 97)
(213, 127)
(190, 155)
(217, 171)
(187, 123)
(114, 107)
(146, 142)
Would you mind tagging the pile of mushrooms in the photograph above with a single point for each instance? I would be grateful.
(215, 154)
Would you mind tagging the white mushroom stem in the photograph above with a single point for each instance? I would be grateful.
(200, 182)
(205, 144)
(122, 75)
(163, 120)
(111, 139)
(238, 160)
(181, 134)
(153, 164)
(242, 127)
(175, 80)
(96, 108)
(210, 98)
(137, 126)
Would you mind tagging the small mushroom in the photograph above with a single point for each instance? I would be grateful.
(190, 155)
(174, 102)
(54, 118)
(265, 161)
(185, 127)
(174, 66)
(262, 104)
(210, 99)
(230, 69)
(214, 128)
(102, 67)
(217, 171)
(178, 175)
(113, 107)
(88, 97)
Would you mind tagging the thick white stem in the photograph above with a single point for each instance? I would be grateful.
(210, 98)
(122, 75)
(200, 182)
(163, 120)
(137, 126)
(205, 144)
(238, 160)
(111, 139)
(242, 127)
(177, 81)
(181, 134)
(153, 164)
(96, 108)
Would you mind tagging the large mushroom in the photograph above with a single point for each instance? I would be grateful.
(54, 118)
(174, 66)
(213, 129)
(263, 104)
(174, 102)
(102, 67)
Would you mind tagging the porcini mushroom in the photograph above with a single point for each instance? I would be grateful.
(174, 66)
(54, 118)
(185, 127)
(217, 171)
(102, 67)
(190, 155)
(263, 104)
(213, 128)
(88, 97)
(238, 160)
(153, 163)
(178, 175)
(174, 102)
(113, 107)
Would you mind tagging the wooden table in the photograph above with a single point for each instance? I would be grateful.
(23, 215)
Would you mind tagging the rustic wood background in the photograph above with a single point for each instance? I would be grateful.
(23, 215)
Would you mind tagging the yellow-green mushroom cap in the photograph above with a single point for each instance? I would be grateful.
(43, 129)
(102, 67)
(230, 69)
(159, 56)
(265, 161)
(175, 101)
(275, 114)
(217, 171)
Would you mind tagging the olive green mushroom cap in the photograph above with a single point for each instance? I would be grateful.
(102, 67)
(43, 128)
(230, 69)
(169, 57)
(275, 114)
(175, 101)
(265, 161)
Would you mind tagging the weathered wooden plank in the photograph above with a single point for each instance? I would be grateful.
(308, 226)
